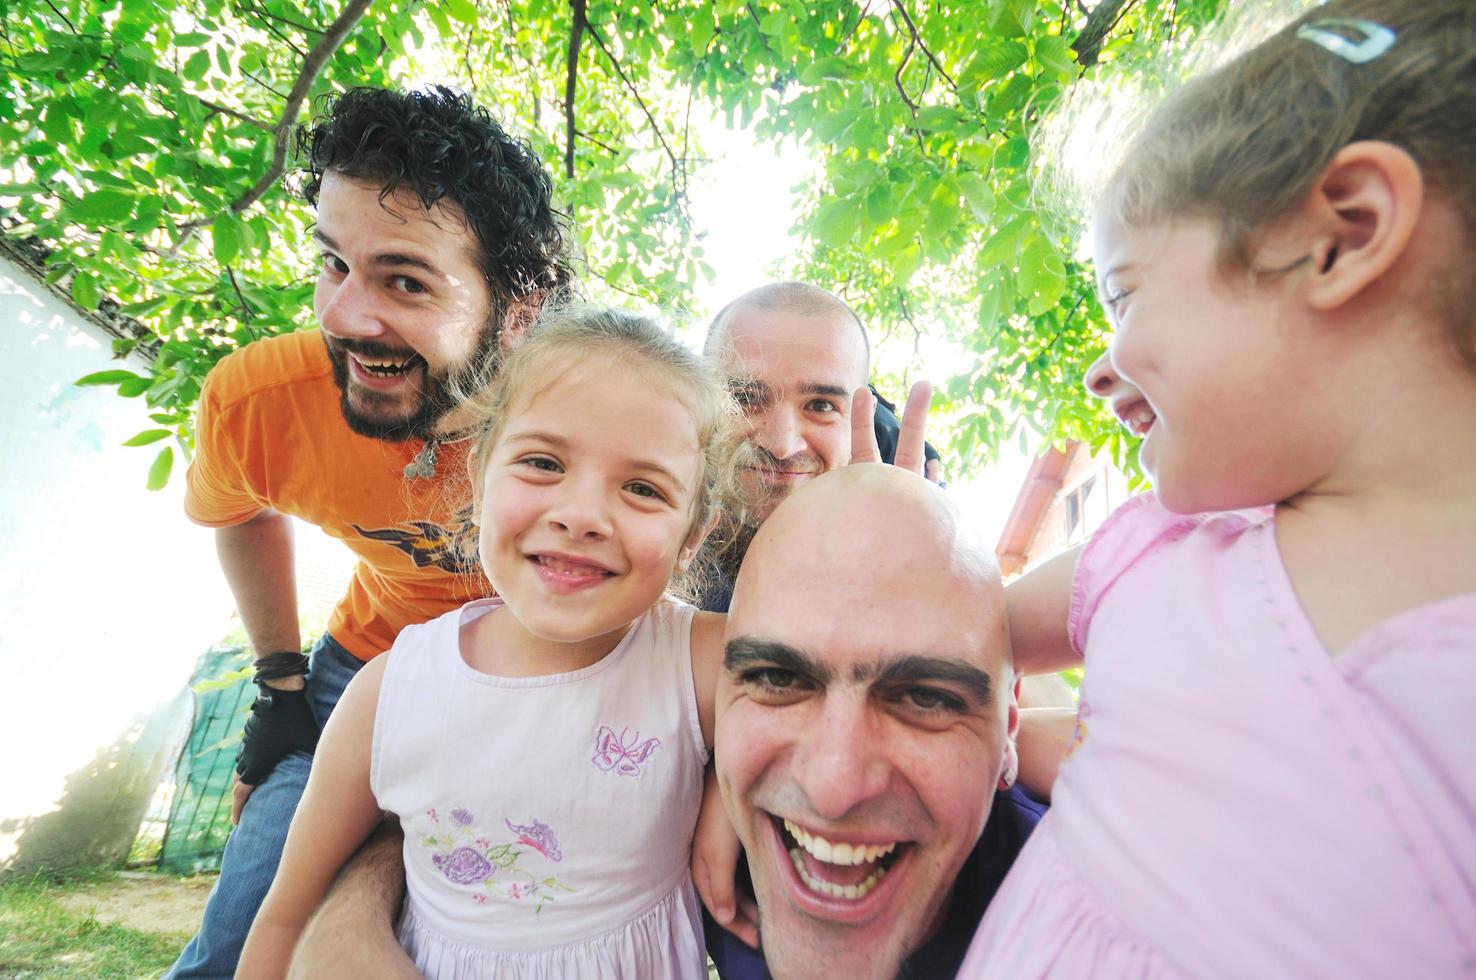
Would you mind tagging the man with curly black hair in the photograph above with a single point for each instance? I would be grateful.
(439, 244)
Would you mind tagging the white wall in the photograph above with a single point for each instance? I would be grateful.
(107, 593)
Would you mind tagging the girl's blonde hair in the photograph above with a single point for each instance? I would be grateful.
(1247, 143)
(563, 337)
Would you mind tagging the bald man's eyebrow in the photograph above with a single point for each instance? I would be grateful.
(835, 391)
(918, 669)
(744, 652)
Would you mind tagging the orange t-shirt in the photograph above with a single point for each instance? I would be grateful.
(271, 434)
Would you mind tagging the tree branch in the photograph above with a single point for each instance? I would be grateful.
(860, 19)
(70, 26)
(590, 139)
(305, 28)
(1100, 22)
(216, 109)
(897, 77)
(677, 169)
(917, 38)
(571, 81)
(312, 66)
(245, 306)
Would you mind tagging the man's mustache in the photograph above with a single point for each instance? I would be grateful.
(373, 349)
(752, 457)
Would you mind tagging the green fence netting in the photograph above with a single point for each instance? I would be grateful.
(200, 814)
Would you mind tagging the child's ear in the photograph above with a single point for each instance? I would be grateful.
(1364, 210)
(694, 543)
(471, 477)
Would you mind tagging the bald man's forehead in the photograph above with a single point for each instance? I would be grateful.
(781, 346)
(866, 612)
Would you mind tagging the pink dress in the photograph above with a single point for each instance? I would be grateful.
(548, 820)
(1238, 802)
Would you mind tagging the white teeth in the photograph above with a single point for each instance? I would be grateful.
(849, 892)
(842, 853)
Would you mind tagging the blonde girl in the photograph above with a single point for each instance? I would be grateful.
(544, 750)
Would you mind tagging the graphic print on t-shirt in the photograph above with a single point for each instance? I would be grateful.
(429, 544)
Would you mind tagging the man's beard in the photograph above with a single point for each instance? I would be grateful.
(766, 494)
(440, 392)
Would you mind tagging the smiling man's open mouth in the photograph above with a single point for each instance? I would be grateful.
(387, 368)
(835, 868)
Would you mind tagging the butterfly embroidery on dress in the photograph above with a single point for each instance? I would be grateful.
(621, 754)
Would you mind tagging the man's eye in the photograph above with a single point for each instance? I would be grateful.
(822, 406)
(746, 396)
(929, 700)
(333, 263)
(405, 284)
(773, 678)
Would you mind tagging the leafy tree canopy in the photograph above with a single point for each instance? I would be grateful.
(144, 146)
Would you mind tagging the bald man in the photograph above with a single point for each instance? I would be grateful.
(866, 714)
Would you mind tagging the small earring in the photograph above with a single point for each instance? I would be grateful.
(1007, 780)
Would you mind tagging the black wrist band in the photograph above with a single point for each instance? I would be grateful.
(278, 665)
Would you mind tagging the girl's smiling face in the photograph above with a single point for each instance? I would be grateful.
(1226, 381)
(587, 501)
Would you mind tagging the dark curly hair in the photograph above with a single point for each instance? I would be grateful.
(435, 142)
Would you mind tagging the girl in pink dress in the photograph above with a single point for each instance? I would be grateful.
(544, 750)
(1275, 764)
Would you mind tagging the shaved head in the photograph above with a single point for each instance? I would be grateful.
(799, 299)
(867, 698)
(888, 531)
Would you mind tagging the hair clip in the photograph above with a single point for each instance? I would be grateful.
(1326, 34)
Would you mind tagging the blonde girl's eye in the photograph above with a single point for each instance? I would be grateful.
(545, 464)
(642, 489)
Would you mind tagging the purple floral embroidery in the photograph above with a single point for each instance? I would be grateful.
(622, 754)
(538, 836)
(465, 858)
(464, 866)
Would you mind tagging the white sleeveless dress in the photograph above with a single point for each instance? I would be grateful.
(548, 820)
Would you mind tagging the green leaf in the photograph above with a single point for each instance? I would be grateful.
(835, 223)
(196, 66)
(1054, 53)
(159, 471)
(1003, 243)
(85, 291)
(978, 194)
(936, 117)
(823, 68)
(226, 237)
(463, 10)
(147, 436)
(134, 387)
(906, 264)
(106, 378)
(994, 60)
(103, 207)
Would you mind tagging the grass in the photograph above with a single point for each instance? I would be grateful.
(40, 938)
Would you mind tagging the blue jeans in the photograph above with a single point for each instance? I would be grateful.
(255, 846)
